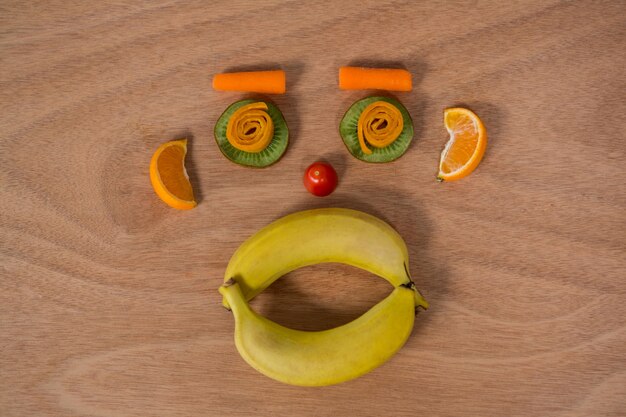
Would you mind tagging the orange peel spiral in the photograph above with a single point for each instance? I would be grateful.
(379, 124)
(250, 128)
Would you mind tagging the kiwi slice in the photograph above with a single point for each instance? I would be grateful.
(269, 155)
(348, 131)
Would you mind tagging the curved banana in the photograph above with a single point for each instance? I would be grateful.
(305, 238)
(316, 236)
(325, 357)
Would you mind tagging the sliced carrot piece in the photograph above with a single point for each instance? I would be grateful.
(169, 177)
(357, 78)
(268, 82)
(466, 147)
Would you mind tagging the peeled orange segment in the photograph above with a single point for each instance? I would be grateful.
(169, 177)
(466, 147)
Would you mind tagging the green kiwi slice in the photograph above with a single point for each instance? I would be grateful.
(267, 156)
(348, 132)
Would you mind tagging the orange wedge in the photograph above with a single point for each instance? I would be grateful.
(169, 177)
(466, 147)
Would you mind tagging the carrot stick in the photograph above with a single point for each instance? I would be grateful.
(356, 78)
(269, 82)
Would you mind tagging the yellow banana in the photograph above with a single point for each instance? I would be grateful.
(325, 357)
(316, 236)
(330, 356)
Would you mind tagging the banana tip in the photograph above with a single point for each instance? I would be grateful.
(229, 283)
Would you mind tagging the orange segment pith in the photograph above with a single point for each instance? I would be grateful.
(169, 177)
(467, 144)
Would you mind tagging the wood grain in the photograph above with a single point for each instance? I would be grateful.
(109, 303)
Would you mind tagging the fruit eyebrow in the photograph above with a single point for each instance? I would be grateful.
(266, 82)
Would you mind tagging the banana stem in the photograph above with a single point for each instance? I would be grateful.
(420, 301)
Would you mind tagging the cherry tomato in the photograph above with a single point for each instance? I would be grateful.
(320, 179)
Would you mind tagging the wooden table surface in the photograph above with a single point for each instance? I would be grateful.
(108, 298)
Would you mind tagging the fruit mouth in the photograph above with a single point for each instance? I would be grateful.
(332, 355)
